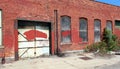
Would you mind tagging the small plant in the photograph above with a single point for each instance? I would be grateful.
(92, 48)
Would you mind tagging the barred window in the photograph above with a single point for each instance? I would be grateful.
(109, 25)
(83, 31)
(97, 27)
(0, 27)
(65, 29)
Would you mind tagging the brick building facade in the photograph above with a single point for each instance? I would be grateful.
(49, 26)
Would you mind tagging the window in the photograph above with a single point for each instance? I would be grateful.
(65, 29)
(0, 27)
(117, 24)
(83, 33)
(109, 25)
(97, 26)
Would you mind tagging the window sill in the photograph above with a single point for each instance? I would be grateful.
(66, 44)
(97, 41)
(1, 47)
(84, 43)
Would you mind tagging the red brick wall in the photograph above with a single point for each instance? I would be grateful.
(117, 32)
(43, 10)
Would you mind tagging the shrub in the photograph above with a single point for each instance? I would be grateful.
(118, 45)
(108, 43)
(99, 47)
(92, 48)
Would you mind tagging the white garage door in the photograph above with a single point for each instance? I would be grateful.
(33, 39)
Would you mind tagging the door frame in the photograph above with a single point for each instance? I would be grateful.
(16, 35)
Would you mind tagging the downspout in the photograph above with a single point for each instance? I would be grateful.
(56, 31)
(16, 39)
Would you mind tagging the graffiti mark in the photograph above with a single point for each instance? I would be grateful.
(32, 34)
(66, 33)
(80, 39)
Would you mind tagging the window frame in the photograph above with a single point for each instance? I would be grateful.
(98, 30)
(117, 27)
(61, 41)
(1, 38)
(85, 30)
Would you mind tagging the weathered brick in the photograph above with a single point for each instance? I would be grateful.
(43, 10)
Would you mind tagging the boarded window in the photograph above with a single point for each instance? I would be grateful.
(109, 25)
(117, 24)
(65, 29)
(97, 26)
(83, 30)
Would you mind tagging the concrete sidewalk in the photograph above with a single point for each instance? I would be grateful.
(70, 62)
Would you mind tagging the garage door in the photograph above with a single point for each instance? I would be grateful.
(33, 39)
